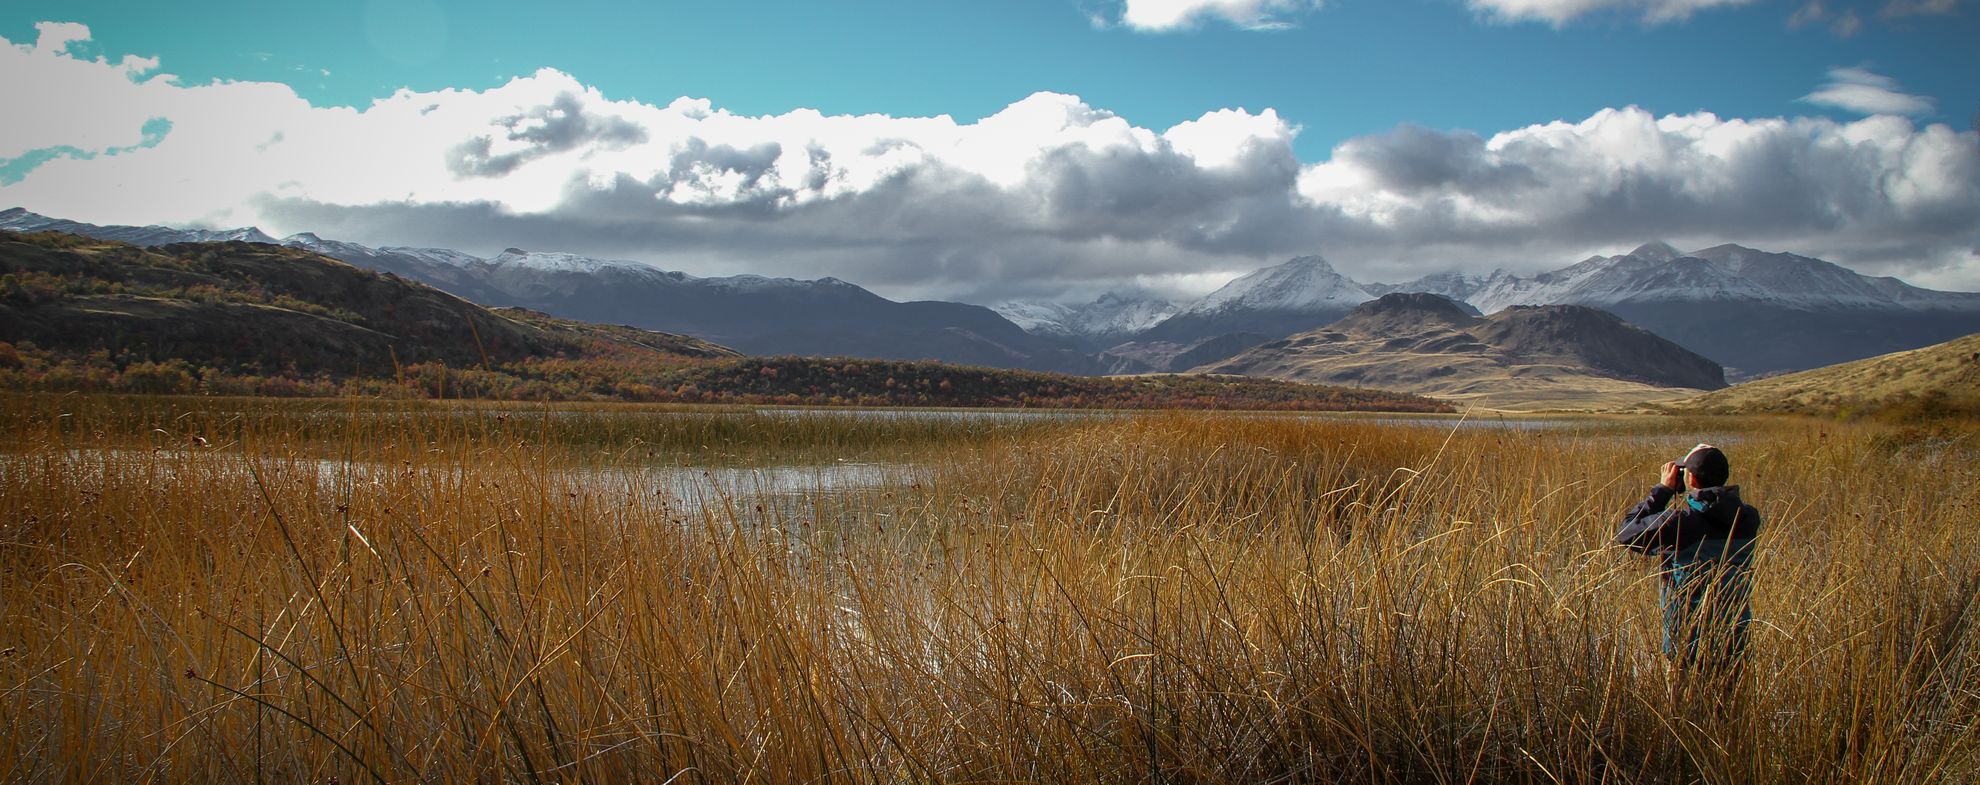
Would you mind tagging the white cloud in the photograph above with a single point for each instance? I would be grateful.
(1560, 12)
(1864, 92)
(42, 109)
(1875, 192)
(1049, 196)
(1167, 15)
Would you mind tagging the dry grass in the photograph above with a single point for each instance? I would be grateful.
(1197, 598)
(1950, 371)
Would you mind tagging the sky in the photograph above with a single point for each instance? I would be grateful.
(1019, 149)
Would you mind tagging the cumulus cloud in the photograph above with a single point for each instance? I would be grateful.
(1879, 192)
(1560, 12)
(1167, 15)
(1862, 91)
(1050, 196)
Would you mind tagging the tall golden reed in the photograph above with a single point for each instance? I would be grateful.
(400, 593)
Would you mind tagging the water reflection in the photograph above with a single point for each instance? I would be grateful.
(683, 488)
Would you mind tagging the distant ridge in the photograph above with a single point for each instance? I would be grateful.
(1560, 356)
(1756, 313)
(1753, 311)
(753, 314)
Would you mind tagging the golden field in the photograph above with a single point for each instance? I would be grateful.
(244, 590)
(1934, 381)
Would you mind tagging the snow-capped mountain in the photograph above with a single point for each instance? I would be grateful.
(1272, 302)
(1454, 286)
(1262, 305)
(344, 251)
(1813, 283)
(553, 262)
(20, 220)
(1101, 323)
(1306, 283)
(1753, 311)
(1656, 272)
(1651, 273)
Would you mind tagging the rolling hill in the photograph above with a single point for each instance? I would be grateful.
(1522, 357)
(1939, 379)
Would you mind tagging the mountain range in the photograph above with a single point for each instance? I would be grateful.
(1554, 356)
(1754, 312)
(78, 314)
(753, 314)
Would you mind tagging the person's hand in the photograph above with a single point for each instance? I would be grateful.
(1673, 476)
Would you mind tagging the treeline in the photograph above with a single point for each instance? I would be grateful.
(634, 378)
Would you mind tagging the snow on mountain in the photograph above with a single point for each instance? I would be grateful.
(557, 262)
(1614, 280)
(1307, 283)
(1811, 283)
(366, 256)
(1112, 315)
(20, 220)
(759, 283)
(1726, 273)
(247, 235)
(1115, 314)
(447, 257)
(1454, 286)
(1039, 318)
(336, 249)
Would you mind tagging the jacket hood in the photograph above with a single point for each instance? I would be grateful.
(1721, 504)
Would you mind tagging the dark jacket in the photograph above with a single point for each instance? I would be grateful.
(1712, 524)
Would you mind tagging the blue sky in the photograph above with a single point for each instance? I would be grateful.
(1346, 69)
(1363, 95)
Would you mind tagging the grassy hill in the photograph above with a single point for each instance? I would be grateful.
(247, 318)
(1548, 357)
(1938, 380)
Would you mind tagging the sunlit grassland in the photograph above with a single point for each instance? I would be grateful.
(471, 593)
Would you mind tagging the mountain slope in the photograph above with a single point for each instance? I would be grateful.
(753, 314)
(1525, 356)
(1948, 373)
(254, 308)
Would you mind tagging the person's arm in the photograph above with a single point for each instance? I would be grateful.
(1646, 525)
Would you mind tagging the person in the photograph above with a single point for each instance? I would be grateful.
(1704, 548)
